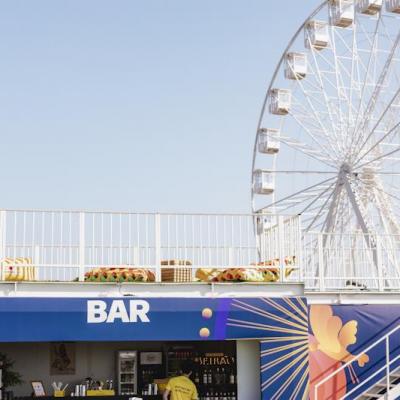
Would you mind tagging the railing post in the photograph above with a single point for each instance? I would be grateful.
(36, 263)
(81, 276)
(387, 367)
(379, 264)
(321, 262)
(157, 245)
(299, 250)
(2, 242)
(281, 241)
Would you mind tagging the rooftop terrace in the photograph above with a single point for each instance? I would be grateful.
(117, 247)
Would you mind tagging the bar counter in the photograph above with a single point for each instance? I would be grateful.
(116, 397)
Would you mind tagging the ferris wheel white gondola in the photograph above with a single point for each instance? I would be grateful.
(263, 182)
(296, 65)
(316, 35)
(339, 112)
(268, 141)
(341, 13)
(393, 6)
(263, 223)
(280, 101)
(369, 7)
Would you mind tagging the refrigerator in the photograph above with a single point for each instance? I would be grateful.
(127, 369)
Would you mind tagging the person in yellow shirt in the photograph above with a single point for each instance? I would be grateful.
(181, 387)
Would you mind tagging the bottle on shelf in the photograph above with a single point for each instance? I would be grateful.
(231, 378)
(196, 378)
(205, 377)
(209, 380)
(223, 376)
(217, 377)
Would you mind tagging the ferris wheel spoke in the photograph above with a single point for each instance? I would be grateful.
(351, 111)
(388, 218)
(383, 198)
(390, 39)
(315, 138)
(392, 187)
(339, 83)
(304, 172)
(388, 194)
(284, 207)
(310, 214)
(375, 95)
(306, 150)
(356, 65)
(307, 123)
(321, 124)
(322, 88)
(377, 125)
(318, 136)
(320, 212)
(357, 166)
(336, 213)
(317, 198)
(315, 95)
(372, 51)
(302, 192)
(316, 114)
(363, 70)
(294, 200)
(388, 173)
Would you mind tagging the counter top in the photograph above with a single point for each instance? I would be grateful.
(116, 397)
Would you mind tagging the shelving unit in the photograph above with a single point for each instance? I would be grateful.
(214, 374)
(127, 372)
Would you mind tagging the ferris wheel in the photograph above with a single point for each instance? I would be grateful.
(328, 139)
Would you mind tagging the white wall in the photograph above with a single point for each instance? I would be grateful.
(248, 370)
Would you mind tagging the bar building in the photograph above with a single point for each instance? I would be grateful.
(113, 303)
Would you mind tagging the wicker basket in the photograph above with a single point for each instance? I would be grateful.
(177, 274)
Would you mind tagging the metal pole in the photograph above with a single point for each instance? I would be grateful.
(157, 245)
(321, 261)
(387, 367)
(81, 247)
(281, 239)
(380, 265)
(2, 242)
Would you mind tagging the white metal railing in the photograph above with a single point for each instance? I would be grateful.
(381, 373)
(64, 245)
(351, 261)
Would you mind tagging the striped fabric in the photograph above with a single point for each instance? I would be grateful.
(18, 269)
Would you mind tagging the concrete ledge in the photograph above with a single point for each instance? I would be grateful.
(195, 289)
(353, 297)
(97, 289)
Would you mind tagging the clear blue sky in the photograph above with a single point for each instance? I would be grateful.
(145, 105)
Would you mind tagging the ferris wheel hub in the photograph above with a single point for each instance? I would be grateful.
(346, 168)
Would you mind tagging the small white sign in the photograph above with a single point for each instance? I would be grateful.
(151, 358)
